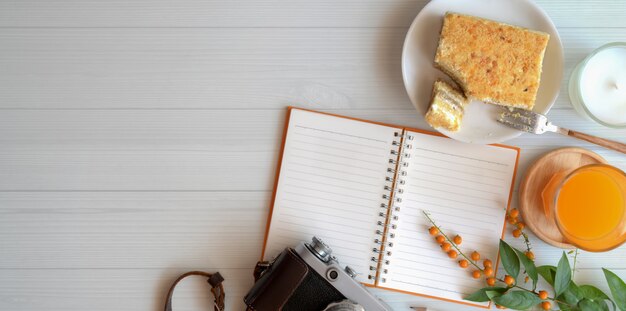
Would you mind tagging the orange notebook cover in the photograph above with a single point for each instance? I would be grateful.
(363, 186)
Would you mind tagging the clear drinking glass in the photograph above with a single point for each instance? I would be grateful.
(588, 205)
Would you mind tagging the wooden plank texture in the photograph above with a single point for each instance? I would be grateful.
(126, 230)
(115, 289)
(160, 230)
(139, 150)
(349, 68)
(87, 247)
(139, 138)
(124, 289)
(274, 13)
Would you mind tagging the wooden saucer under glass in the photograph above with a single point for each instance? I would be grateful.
(537, 177)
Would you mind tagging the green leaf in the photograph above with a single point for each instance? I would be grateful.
(483, 294)
(572, 294)
(563, 275)
(517, 300)
(618, 288)
(547, 273)
(509, 259)
(592, 292)
(591, 305)
(529, 265)
(566, 307)
(493, 293)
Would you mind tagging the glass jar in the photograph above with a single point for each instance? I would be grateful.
(597, 86)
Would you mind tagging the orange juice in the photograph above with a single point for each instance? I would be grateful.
(590, 206)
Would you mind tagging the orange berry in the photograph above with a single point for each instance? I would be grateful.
(475, 256)
(446, 246)
(488, 271)
(514, 213)
(452, 254)
(491, 281)
(440, 239)
(517, 233)
(476, 274)
(509, 280)
(526, 279)
(521, 225)
(487, 263)
(543, 295)
(457, 240)
(546, 305)
(463, 263)
(433, 230)
(512, 220)
(530, 255)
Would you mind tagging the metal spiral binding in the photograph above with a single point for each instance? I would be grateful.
(388, 222)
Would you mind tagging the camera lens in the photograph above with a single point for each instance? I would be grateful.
(345, 305)
(320, 249)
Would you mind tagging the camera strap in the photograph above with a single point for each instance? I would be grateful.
(215, 280)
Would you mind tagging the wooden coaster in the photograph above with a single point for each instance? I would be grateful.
(537, 176)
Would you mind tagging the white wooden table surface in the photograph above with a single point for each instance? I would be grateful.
(139, 138)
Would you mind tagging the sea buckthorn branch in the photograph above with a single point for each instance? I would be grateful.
(575, 261)
(509, 281)
(448, 239)
(512, 217)
(526, 241)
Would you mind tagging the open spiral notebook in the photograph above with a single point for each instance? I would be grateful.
(362, 186)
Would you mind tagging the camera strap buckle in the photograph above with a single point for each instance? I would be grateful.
(217, 289)
(260, 268)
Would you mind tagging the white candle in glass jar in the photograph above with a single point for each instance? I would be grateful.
(598, 85)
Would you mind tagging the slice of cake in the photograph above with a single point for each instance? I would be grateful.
(493, 62)
(446, 107)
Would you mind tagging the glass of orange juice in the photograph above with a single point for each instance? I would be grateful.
(588, 205)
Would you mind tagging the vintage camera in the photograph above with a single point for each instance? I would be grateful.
(309, 278)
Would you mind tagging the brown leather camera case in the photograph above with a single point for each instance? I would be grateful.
(272, 290)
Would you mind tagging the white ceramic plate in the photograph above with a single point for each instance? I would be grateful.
(479, 125)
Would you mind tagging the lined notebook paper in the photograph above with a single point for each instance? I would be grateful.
(331, 184)
(466, 191)
(362, 187)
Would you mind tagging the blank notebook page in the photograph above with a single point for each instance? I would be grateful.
(331, 184)
(466, 189)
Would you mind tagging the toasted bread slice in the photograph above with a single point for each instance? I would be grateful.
(446, 107)
(491, 61)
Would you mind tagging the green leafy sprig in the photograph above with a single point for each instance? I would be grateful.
(568, 295)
